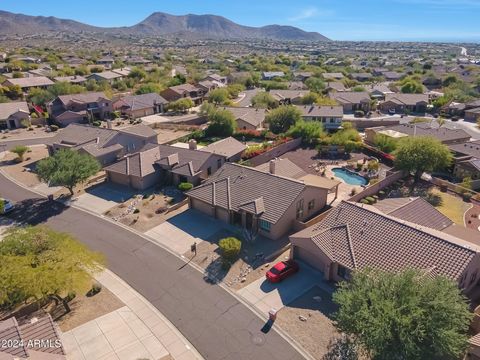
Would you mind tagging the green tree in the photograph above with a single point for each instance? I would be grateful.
(283, 118)
(181, 104)
(412, 87)
(230, 248)
(20, 151)
(14, 92)
(234, 90)
(348, 137)
(222, 123)
(40, 96)
(421, 154)
(2, 205)
(309, 131)
(264, 100)
(310, 98)
(315, 84)
(148, 88)
(37, 263)
(206, 108)
(218, 96)
(404, 316)
(449, 80)
(67, 168)
(385, 143)
(137, 74)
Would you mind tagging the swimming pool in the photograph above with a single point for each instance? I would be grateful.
(349, 177)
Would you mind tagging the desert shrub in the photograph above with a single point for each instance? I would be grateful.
(364, 201)
(185, 186)
(53, 128)
(136, 211)
(359, 113)
(370, 200)
(230, 248)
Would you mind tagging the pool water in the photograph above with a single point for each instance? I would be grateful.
(350, 177)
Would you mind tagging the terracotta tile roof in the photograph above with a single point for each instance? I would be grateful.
(187, 162)
(415, 210)
(139, 102)
(227, 147)
(84, 98)
(139, 164)
(235, 186)
(283, 167)
(251, 116)
(382, 241)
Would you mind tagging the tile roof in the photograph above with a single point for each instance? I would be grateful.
(139, 130)
(106, 75)
(333, 76)
(250, 115)
(88, 97)
(235, 186)
(350, 97)
(139, 164)
(376, 240)
(227, 147)
(406, 99)
(9, 330)
(180, 89)
(337, 86)
(185, 161)
(415, 210)
(71, 79)
(471, 148)
(321, 111)
(31, 81)
(426, 129)
(283, 167)
(9, 108)
(288, 94)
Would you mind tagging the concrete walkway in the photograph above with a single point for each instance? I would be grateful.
(135, 331)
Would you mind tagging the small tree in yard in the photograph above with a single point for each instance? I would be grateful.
(38, 263)
(185, 186)
(404, 316)
(230, 249)
(283, 118)
(309, 131)
(221, 123)
(2, 206)
(218, 96)
(181, 104)
(20, 151)
(422, 154)
(67, 168)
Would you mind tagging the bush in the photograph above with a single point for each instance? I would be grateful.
(359, 113)
(363, 201)
(53, 128)
(136, 211)
(230, 248)
(370, 200)
(185, 186)
(96, 123)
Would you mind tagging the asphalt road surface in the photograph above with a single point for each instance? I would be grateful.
(217, 324)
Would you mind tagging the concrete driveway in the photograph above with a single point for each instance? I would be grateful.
(181, 231)
(266, 296)
(101, 198)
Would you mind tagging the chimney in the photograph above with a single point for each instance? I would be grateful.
(272, 166)
(192, 144)
(109, 124)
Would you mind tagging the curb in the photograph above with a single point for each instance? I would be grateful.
(25, 139)
(253, 309)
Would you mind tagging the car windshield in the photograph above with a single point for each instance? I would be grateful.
(275, 271)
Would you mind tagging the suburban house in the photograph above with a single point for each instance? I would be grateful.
(472, 115)
(230, 148)
(466, 159)
(74, 79)
(106, 61)
(135, 106)
(379, 91)
(335, 86)
(260, 201)
(330, 116)
(352, 237)
(297, 85)
(29, 82)
(108, 76)
(33, 338)
(216, 78)
(333, 76)
(400, 103)
(392, 75)
(165, 164)
(445, 135)
(209, 85)
(361, 76)
(302, 75)
(270, 75)
(174, 93)
(352, 100)
(77, 108)
(248, 118)
(106, 145)
(288, 97)
(13, 114)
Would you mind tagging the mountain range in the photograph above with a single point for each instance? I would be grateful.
(158, 24)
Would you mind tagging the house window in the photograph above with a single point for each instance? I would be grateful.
(265, 225)
(299, 209)
(209, 171)
(311, 205)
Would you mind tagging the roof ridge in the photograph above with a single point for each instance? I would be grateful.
(432, 232)
(266, 173)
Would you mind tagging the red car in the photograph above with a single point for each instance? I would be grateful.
(281, 271)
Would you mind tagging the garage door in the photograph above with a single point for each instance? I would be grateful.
(308, 257)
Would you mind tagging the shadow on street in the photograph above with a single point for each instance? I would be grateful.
(35, 211)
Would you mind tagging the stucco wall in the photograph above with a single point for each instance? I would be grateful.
(275, 152)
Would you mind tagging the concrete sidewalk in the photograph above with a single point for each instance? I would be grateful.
(136, 331)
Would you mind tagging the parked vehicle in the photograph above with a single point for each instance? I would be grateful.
(282, 270)
(391, 111)
(7, 206)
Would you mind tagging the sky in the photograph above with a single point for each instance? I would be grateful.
(394, 20)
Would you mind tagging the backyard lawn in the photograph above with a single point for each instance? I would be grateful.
(451, 206)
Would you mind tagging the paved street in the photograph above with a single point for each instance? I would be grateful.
(247, 100)
(215, 322)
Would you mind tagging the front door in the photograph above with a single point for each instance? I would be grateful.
(249, 221)
(11, 124)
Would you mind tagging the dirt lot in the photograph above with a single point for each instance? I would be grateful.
(166, 135)
(22, 172)
(25, 134)
(249, 267)
(152, 209)
(85, 309)
(316, 332)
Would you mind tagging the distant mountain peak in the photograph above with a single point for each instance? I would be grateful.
(160, 24)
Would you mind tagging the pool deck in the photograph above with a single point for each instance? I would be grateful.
(344, 189)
